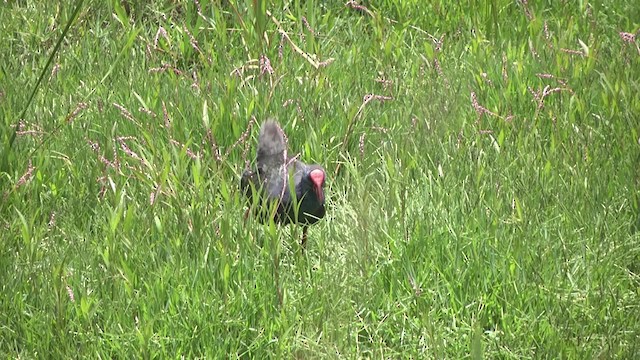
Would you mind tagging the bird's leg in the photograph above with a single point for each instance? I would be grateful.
(304, 237)
(246, 214)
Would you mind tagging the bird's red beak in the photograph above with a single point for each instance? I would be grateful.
(317, 177)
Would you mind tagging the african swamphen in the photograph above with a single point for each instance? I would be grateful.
(302, 203)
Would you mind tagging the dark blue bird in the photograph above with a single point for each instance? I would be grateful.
(302, 202)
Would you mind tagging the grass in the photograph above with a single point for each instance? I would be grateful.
(484, 191)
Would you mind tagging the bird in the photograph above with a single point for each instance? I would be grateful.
(302, 202)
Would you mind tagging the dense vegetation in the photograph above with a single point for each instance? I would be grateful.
(484, 188)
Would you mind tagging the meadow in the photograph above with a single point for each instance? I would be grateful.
(483, 187)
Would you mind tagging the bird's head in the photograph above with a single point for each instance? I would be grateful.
(316, 177)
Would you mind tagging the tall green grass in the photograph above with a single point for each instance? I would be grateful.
(484, 189)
